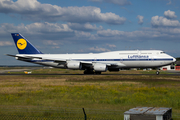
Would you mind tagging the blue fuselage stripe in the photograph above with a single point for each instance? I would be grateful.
(168, 59)
(124, 59)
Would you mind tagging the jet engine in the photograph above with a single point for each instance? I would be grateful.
(74, 65)
(100, 67)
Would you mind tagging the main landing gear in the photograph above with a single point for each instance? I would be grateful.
(87, 71)
(157, 72)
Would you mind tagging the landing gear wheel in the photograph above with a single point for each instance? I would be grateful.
(157, 72)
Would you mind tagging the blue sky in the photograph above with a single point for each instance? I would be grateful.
(84, 26)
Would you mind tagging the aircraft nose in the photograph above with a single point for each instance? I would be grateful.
(174, 59)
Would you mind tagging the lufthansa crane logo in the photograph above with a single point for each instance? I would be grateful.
(21, 44)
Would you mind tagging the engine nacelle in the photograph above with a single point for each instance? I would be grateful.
(100, 67)
(74, 65)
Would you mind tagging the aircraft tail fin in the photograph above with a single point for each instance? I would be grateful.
(23, 45)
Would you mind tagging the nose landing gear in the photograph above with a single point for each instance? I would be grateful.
(157, 72)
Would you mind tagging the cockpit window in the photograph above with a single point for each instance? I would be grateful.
(162, 52)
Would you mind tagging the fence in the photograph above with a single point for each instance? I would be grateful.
(49, 113)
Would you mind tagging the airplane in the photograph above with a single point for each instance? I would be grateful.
(91, 63)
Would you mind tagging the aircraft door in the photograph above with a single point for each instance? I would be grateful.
(139, 52)
(152, 59)
(95, 59)
(121, 60)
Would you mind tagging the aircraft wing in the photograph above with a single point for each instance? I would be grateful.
(25, 57)
(57, 60)
(60, 60)
(40, 58)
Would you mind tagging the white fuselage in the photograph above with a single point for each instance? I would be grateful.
(122, 59)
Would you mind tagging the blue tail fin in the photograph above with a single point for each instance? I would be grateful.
(23, 45)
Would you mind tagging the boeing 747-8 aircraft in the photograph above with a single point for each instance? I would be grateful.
(92, 63)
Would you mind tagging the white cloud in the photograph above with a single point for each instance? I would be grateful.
(111, 45)
(175, 32)
(52, 31)
(97, 49)
(84, 27)
(55, 47)
(111, 33)
(118, 2)
(50, 42)
(38, 27)
(6, 43)
(166, 21)
(49, 32)
(35, 11)
(141, 35)
(48, 27)
(159, 21)
(140, 19)
(170, 14)
(84, 35)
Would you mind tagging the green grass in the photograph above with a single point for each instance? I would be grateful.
(101, 93)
